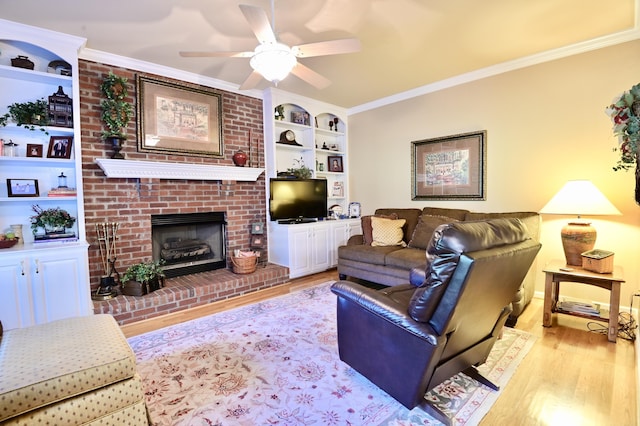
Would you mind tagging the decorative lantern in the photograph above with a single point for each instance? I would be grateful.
(60, 109)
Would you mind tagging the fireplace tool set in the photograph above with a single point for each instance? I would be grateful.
(107, 238)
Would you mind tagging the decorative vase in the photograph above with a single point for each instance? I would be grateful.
(240, 158)
(117, 143)
(17, 231)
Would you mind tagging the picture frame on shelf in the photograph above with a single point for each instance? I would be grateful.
(34, 150)
(60, 147)
(300, 117)
(23, 188)
(178, 118)
(337, 189)
(335, 163)
(450, 167)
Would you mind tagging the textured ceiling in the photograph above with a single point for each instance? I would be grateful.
(406, 44)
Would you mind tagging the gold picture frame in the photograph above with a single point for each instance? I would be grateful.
(450, 167)
(178, 119)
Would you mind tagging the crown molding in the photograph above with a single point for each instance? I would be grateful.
(164, 71)
(527, 61)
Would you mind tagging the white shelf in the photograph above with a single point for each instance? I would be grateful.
(179, 171)
(33, 199)
(34, 76)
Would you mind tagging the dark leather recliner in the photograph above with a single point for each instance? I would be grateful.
(408, 339)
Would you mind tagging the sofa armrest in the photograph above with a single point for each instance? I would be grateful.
(355, 240)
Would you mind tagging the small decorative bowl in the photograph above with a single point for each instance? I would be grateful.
(8, 243)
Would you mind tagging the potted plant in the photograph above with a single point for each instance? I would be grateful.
(116, 111)
(301, 171)
(53, 220)
(143, 278)
(30, 114)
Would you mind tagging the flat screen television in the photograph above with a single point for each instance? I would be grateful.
(297, 200)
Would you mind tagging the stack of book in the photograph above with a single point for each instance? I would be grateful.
(579, 307)
(62, 192)
(55, 238)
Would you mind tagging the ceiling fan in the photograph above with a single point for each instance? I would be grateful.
(274, 60)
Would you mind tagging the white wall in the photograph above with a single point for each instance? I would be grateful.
(545, 125)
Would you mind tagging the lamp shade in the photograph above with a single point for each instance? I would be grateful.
(274, 61)
(579, 197)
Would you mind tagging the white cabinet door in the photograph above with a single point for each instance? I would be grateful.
(320, 256)
(16, 309)
(60, 285)
(300, 261)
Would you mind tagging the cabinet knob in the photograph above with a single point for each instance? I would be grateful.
(22, 267)
(37, 262)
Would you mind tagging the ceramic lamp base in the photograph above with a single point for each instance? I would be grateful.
(577, 237)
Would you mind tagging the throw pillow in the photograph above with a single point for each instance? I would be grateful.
(367, 230)
(387, 232)
(424, 230)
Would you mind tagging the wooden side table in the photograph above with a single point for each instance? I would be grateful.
(554, 275)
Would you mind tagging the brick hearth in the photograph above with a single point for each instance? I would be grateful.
(189, 291)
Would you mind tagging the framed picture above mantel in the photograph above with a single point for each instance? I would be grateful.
(450, 167)
(178, 119)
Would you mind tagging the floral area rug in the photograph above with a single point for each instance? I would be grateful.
(276, 363)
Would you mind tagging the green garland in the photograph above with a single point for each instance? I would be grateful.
(625, 115)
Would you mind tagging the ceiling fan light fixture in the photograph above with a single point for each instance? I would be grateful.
(274, 61)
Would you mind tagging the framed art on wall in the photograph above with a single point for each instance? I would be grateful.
(449, 168)
(176, 118)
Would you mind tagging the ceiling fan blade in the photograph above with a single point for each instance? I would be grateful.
(251, 81)
(310, 76)
(216, 54)
(259, 23)
(332, 47)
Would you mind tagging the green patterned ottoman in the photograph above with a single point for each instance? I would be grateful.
(76, 371)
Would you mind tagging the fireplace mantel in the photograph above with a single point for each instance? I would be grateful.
(179, 171)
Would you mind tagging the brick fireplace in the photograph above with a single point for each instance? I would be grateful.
(133, 202)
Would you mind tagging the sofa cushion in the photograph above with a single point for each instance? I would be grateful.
(410, 215)
(367, 230)
(387, 232)
(530, 219)
(366, 254)
(424, 230)
(458, 214)
(407, 259)
(48, 363)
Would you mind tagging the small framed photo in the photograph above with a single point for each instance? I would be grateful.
(60, 147)
(34, 150)
(335, 163)
(257, 241)
(22, 188)
(257, 228)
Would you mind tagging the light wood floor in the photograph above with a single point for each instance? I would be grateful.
(570, 377)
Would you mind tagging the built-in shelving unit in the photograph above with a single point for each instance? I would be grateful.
(40, 282)
(321, 144)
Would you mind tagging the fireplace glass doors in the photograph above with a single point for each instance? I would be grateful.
(189, 243)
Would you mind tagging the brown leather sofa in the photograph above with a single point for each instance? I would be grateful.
(392, 265)
(449, 324)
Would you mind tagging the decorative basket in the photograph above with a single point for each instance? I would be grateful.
(8, 243)
(600, 261)
(245, 263)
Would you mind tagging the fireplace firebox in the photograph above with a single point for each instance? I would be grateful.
(189, 243)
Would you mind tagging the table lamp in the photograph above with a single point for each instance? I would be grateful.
(579, 197)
